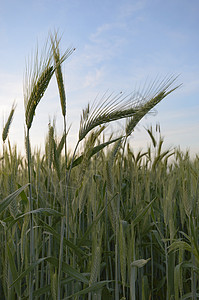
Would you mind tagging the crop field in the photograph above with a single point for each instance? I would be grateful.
(100, 223)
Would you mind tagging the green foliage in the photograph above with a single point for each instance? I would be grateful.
(106, 223)
(154, 231)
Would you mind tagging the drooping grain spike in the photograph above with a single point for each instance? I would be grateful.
(37, 93)
(58, 70)
(8, 123)
(50, 145)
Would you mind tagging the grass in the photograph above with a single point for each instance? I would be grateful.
(104, 224)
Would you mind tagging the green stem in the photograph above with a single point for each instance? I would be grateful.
(64, 219)
(31, 219)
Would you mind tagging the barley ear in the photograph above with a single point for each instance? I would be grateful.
(154, 94)
(89, 146)
(50, 144)
(39, 71)
(58, 70)
(61, 145)
(109, 165)
(8, 123)
(27, 142)
(96, 257)
(56, 160)
(109, 108)
(84, 194)
(37, 93)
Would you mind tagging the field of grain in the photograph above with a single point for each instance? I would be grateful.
(103, 223)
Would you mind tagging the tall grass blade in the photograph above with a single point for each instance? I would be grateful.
(5, 202)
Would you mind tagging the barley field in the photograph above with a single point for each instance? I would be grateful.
(100, 223)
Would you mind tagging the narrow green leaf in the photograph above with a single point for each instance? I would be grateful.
(5, 202)
(94, 287)
(180, 244)
(159, 240)
(46, 211)
(95, 221)
(68, 269)
(23, 196)
(13, 271)
(140, 215)
(55, 262)
(46, 288)
(94, 151)
(189, 296)
(28, 270)
(77, 250)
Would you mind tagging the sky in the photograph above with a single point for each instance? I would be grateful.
(120, 45)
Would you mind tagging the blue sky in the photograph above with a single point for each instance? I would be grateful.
(119, 44)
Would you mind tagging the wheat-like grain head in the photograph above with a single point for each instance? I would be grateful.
(37, 93)
(155, 93)
(8, 123)
(111, 108)
(55, 40)
(39, 71)
(38, 74)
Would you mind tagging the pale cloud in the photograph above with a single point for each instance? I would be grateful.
(103, 49)
(93, 77)
(91, 63)
(106, 28)
(106, 42)
(131, 7)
